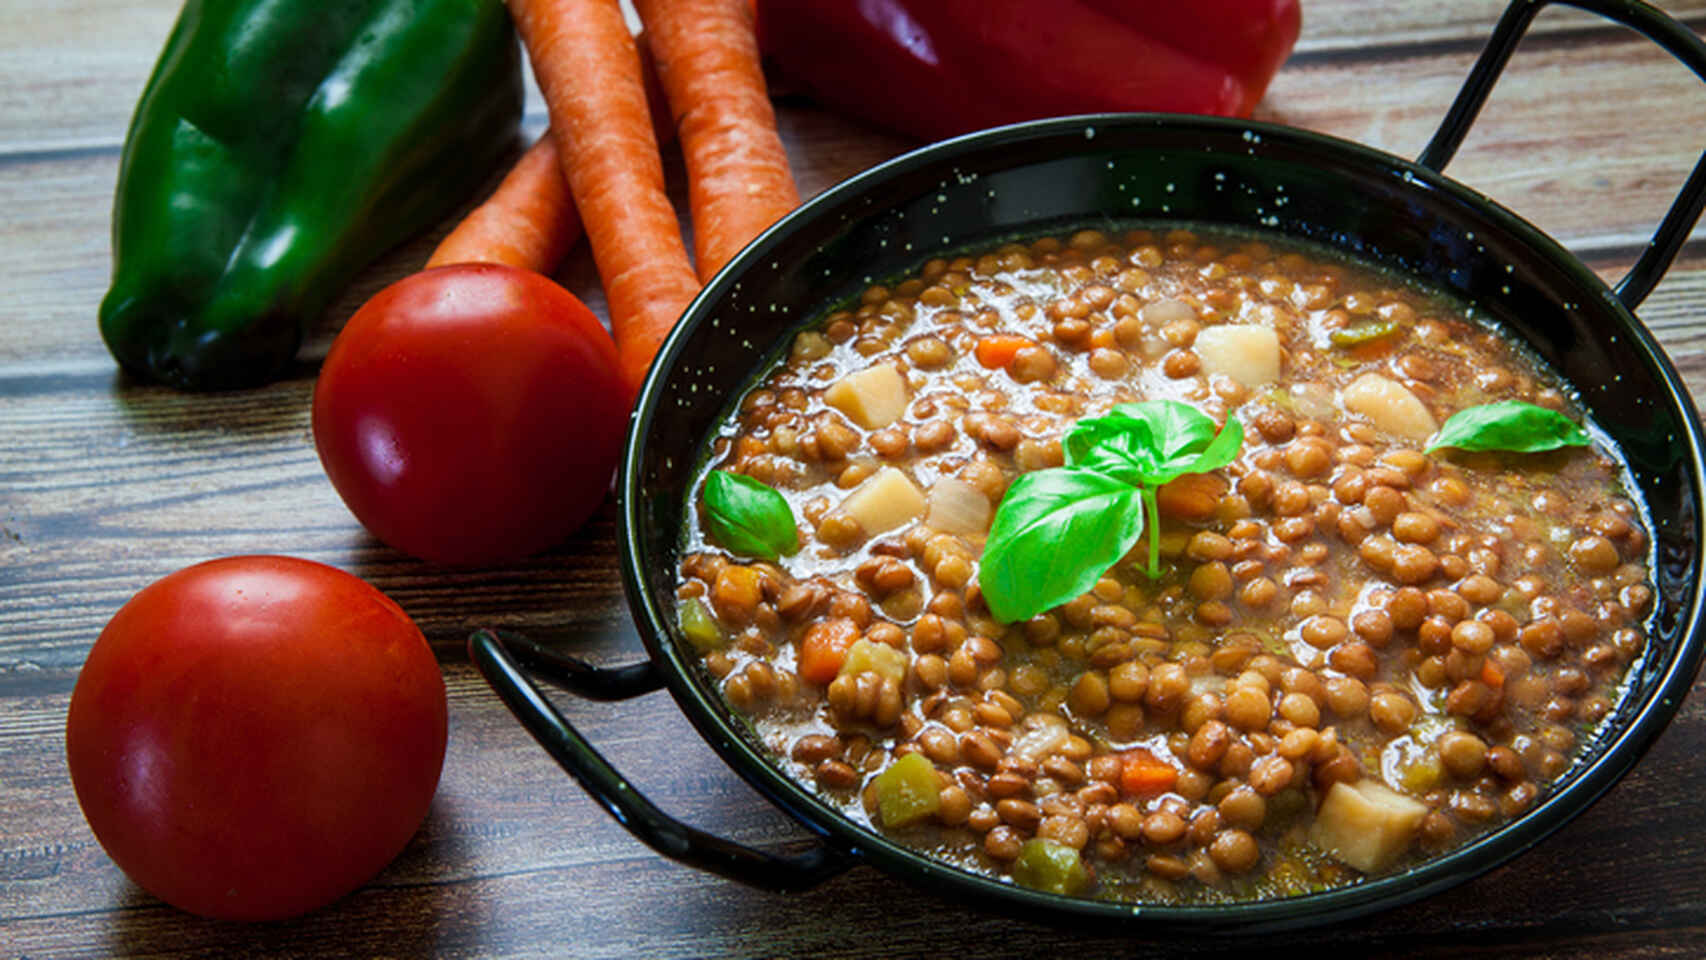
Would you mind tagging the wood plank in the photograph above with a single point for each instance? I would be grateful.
(70, 72)
(1557, 142)
(541, 864)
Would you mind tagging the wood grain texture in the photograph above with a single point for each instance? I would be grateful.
(106, 484)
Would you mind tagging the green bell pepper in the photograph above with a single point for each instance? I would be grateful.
(279, 147)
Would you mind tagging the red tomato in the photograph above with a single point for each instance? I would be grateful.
(254, 737)
(471, 413)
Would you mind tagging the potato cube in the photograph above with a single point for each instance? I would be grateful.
(871, 398)
(1367, 824)
(865, 656)
(886, 501)
(1245, 352)
(1390, 406)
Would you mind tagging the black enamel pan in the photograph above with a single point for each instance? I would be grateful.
(1113, 170)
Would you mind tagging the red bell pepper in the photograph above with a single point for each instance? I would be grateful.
(935, 68)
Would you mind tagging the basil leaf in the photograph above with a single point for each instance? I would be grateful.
(1179, 429)
(1508, 425)
(1222, 450)
(1117, 446)
(1153, 442)
(747, 517)
(1055, 533)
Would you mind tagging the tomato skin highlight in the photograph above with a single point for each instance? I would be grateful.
(253, 737)
(471, 414)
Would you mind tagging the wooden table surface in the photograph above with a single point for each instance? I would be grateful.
(106, 485)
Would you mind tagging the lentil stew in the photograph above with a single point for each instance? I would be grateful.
(1357, 654)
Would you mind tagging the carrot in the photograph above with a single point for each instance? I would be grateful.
(529, 221)
(1372, 350)
(1491, 675)
(824, 649)
(589, 71)
(1194, 496)
(1144, 776)
(997, 350)
(738, 179)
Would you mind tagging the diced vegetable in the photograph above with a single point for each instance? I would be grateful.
(1390, 406)
(1367, 825)
(1193, 496)
(884, 502)
(1145, 776)
(1044, 734)
(1246, 352)
(1422, 773)
(1313, 400)
(881, 659)
(699, 627)
(997, 350)
(908, 791)
(957, 507)
(1491, 675)
(1051, 866)
(871, 398)
(1360, 333)
(824, 649)
(735, 593)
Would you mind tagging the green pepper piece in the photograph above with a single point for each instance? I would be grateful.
(278, 148)
(699, 627)
(1051, 866)
(1366, 332)
(1422, 774)
(907, 791)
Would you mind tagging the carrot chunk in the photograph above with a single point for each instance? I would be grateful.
(824, 649)
(1491, 675)
(997, 350)
(1144, 776)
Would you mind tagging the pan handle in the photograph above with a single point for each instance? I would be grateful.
(490, 652)
(1644, 19)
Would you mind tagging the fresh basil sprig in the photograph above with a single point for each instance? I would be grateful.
(1057, 530)
(748, 517)
(1508, 425)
